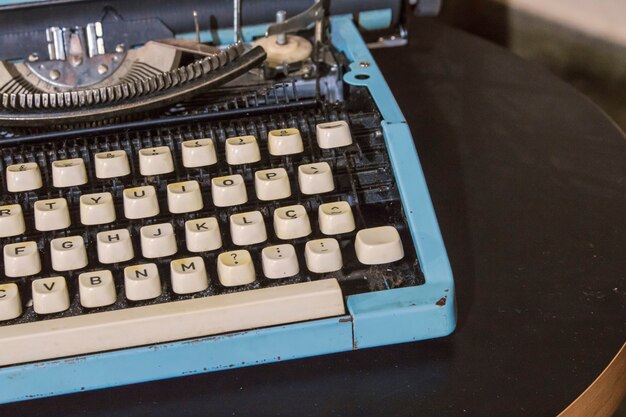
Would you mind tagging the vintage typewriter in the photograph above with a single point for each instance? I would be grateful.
(189, 186)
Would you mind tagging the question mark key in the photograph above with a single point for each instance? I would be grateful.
(235, 268)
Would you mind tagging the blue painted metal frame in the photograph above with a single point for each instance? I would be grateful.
(378, 318)
(414, 313)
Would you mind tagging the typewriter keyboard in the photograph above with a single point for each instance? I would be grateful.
(150, 235)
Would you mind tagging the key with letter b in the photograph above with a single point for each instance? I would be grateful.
(96, 289)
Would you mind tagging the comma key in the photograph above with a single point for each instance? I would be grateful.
(235, 268)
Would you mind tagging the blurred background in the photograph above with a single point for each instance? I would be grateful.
(581, 41)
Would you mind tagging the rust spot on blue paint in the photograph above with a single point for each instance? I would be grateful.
(192, 341)
(71, 361)
(345, 319)
(442, 301)
(213, 338)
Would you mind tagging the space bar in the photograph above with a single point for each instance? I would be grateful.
(165, 322)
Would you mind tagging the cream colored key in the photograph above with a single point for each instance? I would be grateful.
(112, 164)
(242, 150)
(69, 173)
(68, 253)
(323, 255)
(140, 202)
(315, 178)
(155, 161)
(158, 240)
(291, 222)
(50, 295)
(272, 184)
(336, 218)
(23, 177)
(142, 282)
(10, 303)
(279, 261)
(184, 197)
(378, 245)
(247, 228)
(96, 289)
(235, 268)
(175, 320)
(115, 246)
(198, 153)
(97, 208)
(11, 220)
(202, 235)
(51, 214)
(188, 275)
(228, 191)
(333, 134)
(21, 259)
(285, 142)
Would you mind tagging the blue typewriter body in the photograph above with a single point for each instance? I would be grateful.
(373, 318)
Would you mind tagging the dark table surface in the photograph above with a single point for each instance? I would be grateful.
(528, 179)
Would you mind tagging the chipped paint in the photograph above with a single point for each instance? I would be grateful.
(74, 360)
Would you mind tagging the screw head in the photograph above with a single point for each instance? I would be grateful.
(102, 69)
(54, 74)
(119, 48)
(364, 64)
(34, 57)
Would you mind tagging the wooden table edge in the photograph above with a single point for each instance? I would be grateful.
(605, 394)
